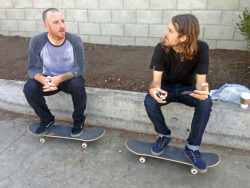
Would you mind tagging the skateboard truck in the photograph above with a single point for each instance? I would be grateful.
(142, 159)
(84, 144)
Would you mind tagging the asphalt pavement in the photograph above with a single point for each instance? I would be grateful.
(25, 162)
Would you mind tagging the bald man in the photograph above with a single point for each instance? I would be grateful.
(56, 63)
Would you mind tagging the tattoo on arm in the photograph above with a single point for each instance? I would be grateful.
(67, 76)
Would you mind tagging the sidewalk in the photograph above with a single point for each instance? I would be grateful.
(25, 162)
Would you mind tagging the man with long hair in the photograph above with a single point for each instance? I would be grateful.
(60, 56)
(180, 63)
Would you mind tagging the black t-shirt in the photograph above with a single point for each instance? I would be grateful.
(177, 71)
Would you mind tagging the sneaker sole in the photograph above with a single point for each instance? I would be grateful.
(199, 170)
(157, 154)
(76, 135)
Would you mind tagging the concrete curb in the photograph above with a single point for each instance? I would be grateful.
(229, 125)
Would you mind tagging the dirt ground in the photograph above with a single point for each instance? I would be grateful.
(124, 67)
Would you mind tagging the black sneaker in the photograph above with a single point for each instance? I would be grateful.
(196, 160)
(160, 145)
(77, 130)
(44, 127)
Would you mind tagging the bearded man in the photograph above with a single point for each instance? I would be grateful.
(180, 67)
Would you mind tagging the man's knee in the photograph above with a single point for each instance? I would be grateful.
(77, 82)
(205, 105)
(30, 86)
(77, 85)
(150, 102)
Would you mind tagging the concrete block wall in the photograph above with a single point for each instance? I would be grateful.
(128, 22)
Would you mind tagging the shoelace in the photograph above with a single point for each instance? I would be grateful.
(161, 140)
(197, 156)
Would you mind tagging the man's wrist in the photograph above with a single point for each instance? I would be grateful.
(67, 76)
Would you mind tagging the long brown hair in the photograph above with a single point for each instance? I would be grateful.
(186, 24)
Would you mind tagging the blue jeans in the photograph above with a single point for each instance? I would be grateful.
(201, 112)
(34, 94)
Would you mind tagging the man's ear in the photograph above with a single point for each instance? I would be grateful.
(46, 26)
(183, 38)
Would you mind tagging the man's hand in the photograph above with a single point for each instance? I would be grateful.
(154, 91)
(56, 80)
(51, 83)
(202, 92)
(46, 82)
(155, 87)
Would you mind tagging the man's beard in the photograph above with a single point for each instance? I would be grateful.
(57, 34)
(165, 43)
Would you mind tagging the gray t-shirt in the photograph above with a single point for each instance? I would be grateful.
(51, 60)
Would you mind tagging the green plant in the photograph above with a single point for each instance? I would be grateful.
(244, 25)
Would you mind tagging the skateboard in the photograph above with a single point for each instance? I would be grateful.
(61, 131)
(171, 153)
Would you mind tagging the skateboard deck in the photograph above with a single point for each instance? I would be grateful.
(61, 131)
(171, 153)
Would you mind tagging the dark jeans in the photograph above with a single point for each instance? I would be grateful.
(34, 94)
(201, 112)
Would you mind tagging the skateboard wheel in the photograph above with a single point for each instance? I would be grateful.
(194, 171)
(142, 159)
(84, 145)
(42, 140)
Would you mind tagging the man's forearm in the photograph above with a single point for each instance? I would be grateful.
(155, 85)
(67, 76)
(200, 79)
(40, 78)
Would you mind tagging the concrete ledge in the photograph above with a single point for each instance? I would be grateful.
(229, 125)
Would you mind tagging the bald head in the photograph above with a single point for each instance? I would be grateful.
(45, 13)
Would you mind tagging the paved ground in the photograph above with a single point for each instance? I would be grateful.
(25, 162)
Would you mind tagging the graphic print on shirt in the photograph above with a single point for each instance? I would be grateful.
(57, 60)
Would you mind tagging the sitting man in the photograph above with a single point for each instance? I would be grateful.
(60, 56)
(180, 63)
